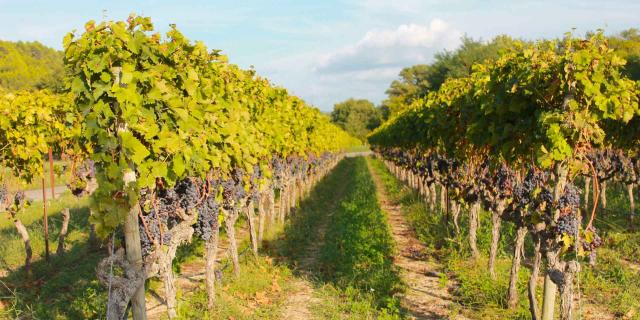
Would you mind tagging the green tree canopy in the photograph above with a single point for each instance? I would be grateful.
(356, 116)
(417, 81)
(627, 45)
(30, 65)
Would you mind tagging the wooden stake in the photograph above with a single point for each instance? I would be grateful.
(46, 223)
(51, 175)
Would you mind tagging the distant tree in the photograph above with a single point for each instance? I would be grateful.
(414, 82)
(627, 45)
(30, 65)
(417, 81)
(356, 116)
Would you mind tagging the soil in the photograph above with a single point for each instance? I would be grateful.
(425, 296)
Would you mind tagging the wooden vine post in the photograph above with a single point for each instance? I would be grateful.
(52, 178)
(45, 221)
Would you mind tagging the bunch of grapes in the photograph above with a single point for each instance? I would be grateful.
(152, 221)
(504, 181)
(20, 199)
(233, 190)
(228, 192)
(569, 202)
(240, 193)
(254, 181)
(567, 224)
(152, 229)
(278, 169)
(188, 193)
(81, 177)
(627, 172)
(523, 192)
(606, 162)
(166, 202)
(208, 214)
(594, 244)
(4, 193)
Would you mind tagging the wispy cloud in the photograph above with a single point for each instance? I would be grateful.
(405, 45)
(364, 68)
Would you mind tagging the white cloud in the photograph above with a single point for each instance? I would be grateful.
(406, 45)
(363, 69)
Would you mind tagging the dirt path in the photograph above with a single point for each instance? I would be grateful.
(36, 194)
(425, 297)
(297, 306)
(301, 298)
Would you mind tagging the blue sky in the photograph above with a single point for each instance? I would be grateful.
(327, 50)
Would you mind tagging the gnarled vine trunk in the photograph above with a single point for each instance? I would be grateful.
(24, 234)
(63, 231)
(632, 203)
(474, 220)
(587, 186)
(443, 198)
(554, 264)
(533, 280)
(253, 232)
(261, 218)
(271, 198)
(434, 196)
(566, 290)
(211, 253)
(512, 299)
(496, 221)
(603, 194)
(281, 203)
(229, 225)
(122, 286)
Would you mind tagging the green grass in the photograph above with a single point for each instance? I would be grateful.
(259, 293)
(65, 287)
(358, 248)
(354, 277)
(15, 184)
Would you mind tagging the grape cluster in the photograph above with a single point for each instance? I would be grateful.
(594, 244)
(606, 162)
(533, 183)
(569, 201)
(154, 216)
(166, 203)
(151, 235)
(81, 177)
(188, 193)
(240, 193)
(567, 224)
(233, 190)
(277, 165)
(208, 213)
(20, 199)
(4, 193)
(254, 181)
(159, 210)
(504, 181)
